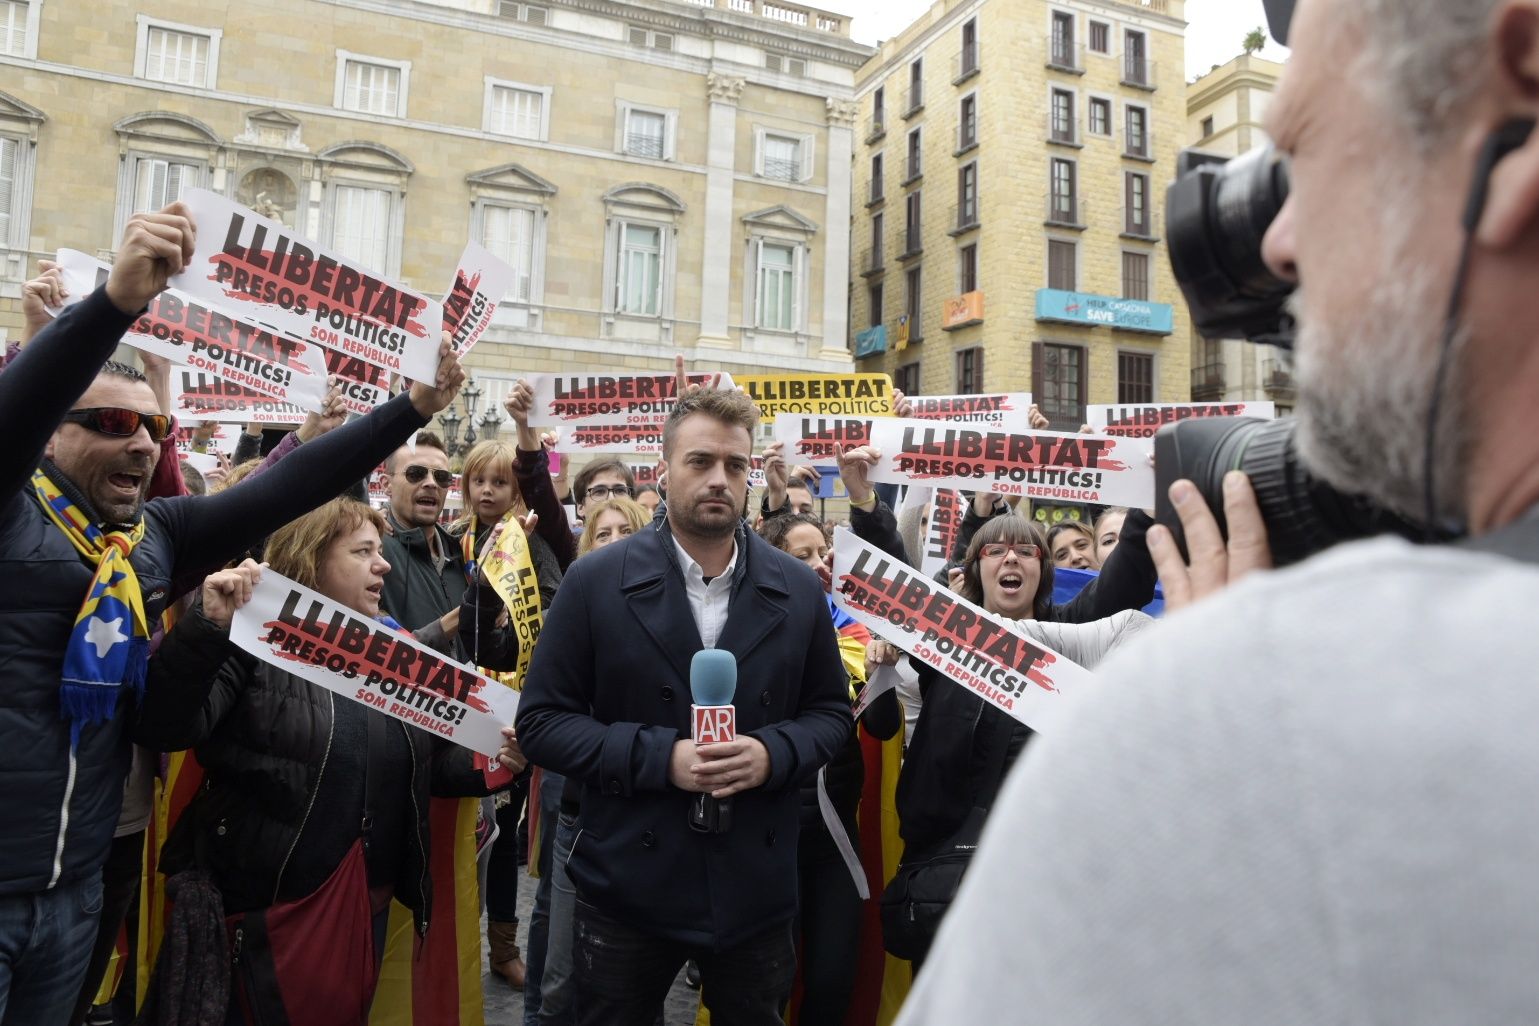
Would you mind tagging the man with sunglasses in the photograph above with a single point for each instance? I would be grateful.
(87, 567)
(427, 571)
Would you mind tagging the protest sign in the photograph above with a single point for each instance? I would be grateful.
(1143, 420)
(480, 282)
(633, 438)
(831, 395)
(199, 395)
(295, 285)
(946, 513)
(511, 570)
(811, 439)
(1042, 464)
(202, 462)
(306, 634)
(987, 654)
(609, 400)
(1004, 411)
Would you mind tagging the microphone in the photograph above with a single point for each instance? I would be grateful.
(712, 683)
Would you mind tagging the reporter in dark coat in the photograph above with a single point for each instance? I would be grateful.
(607, 703)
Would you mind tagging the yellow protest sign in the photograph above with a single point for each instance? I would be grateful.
(511, 570)
(864, 395)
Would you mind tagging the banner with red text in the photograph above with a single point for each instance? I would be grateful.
(987, 654)
(1003, 411)
(252, 263)
(609, 400)
(1039, 465)
(829, 395)
(1142, 420)
(305, 633)
(940, 537)
(480, 282)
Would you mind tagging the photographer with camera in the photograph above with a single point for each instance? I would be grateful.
(1313, 800)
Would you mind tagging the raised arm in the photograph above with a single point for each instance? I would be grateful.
(534, 482)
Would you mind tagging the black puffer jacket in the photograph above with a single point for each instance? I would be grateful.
(265, 738)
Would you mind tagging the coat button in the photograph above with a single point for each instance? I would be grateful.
(764, 698)
(769, 838)
(614, 787)
(667, 693)
(649, 840)
(220, 830)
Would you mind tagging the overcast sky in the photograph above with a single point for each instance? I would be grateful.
(1214, 31)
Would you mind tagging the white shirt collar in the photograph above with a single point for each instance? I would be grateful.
(693, 571)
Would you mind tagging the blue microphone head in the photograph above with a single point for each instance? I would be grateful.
(713, 677)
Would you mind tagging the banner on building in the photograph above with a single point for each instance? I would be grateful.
(1143, 420)
(1004, 411)
(293, 284)
(829, 395)
(987, 654)
(1040, 465)
(609, 400)
(351, 655)
(480, 282)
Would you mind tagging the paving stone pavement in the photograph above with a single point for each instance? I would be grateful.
(505, 1006)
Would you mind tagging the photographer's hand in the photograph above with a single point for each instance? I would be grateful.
(1214, 565)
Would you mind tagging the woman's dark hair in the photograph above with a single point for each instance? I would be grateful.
(1009, 528)
(775, 529)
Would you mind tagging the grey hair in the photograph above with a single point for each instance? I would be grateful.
(1428, 59)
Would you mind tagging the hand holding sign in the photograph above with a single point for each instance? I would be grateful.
(226, 591)
(430, 400)
(1036, 418)
(519, 402)
(511, 755)
(1214, 565)
(855, 470)
(41, 298)
(155, 246)
(333, 413)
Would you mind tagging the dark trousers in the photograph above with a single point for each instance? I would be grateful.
(829, 919)
(622, 974)
(120, 882)
(502, 869)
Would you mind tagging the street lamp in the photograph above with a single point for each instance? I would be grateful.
(490, 422)
(451, 422)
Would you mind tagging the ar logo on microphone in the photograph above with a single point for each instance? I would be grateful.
(714, 723)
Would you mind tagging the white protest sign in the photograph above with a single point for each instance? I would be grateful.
(946, 512)
(1142, 420)
(202, 462)
(199, 395)
(251, 263)
(480, 282)
(305, 633)
(1039, 465)
(986, 654)
(814, 439)
(188, 331)
(608, 400)
(1002, 411)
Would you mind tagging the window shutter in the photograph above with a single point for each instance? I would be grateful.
(1036, 371)
(9, 161)
(772, 61)
(1084, 384)
(637, 37)
(535, 15)
(1127, 200)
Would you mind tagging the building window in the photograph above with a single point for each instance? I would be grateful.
(1064, 203)
(782, 157)
(514, 11)
(1062, 270)
(508, 234)
(517, 110)
(638, 36)
(647, 133)
(786, 65)
(1058, 382)
(877, 232)
(874, 304)
(10, 187)
(906, 378)
(968, 271)
(638, 289)
(913, 228)
(158, 182)
(1135, 378)
(1137, 69)
(970, 370)
(777, 286)
(179, 54)
(912, 306)
(1137, 131)
(877, 184)
(360, 227)
(371, 85)
(1061, 120)
(967, 195)
(1138, 222)
(915, 87)
(969, 57)
(13, 27)
(1135, 276)
(879, 110)
(1207, 127)
(1100, 116)
(915, 166)
(1100, 37)
(1063, 54)
(967, 122)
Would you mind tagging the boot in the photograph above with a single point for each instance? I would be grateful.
(504, 957)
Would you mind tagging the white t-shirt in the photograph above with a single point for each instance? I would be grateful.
(1313, 799)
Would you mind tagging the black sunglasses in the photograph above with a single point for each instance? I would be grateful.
(416, 472)
(121, 423)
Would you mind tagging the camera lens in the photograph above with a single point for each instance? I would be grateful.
(1303, 515)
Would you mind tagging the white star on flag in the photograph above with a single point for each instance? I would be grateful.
(104, 634)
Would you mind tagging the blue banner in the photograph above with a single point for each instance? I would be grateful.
(1106, 311)
(871, 341)
(1068, 583)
